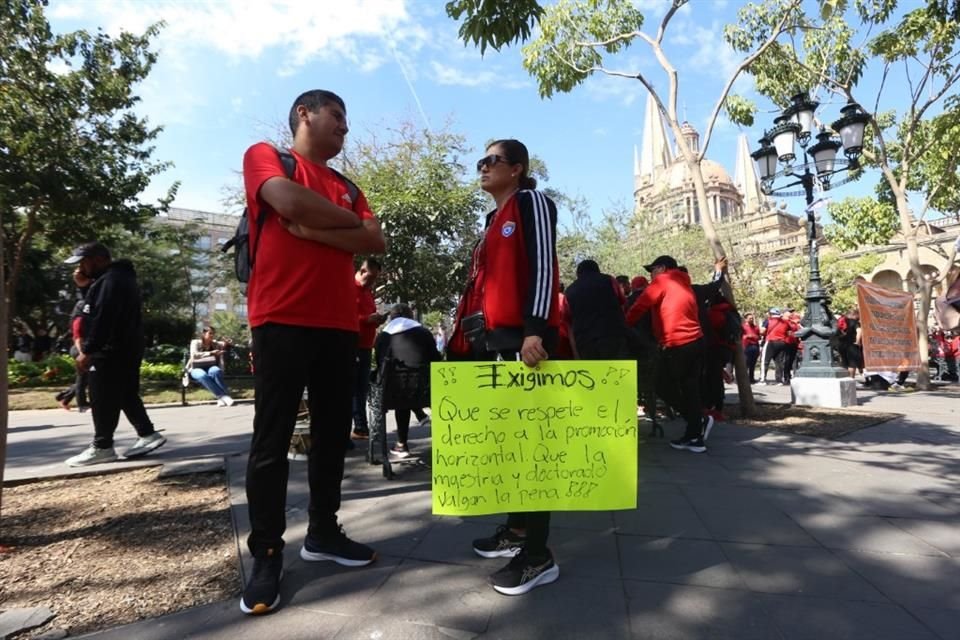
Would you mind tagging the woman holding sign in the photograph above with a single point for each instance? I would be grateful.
(510, 310)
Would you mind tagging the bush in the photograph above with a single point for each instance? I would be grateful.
(56, 369)
(165, 354)
(160, 371)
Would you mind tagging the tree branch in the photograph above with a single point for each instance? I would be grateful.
(777, 31)
(674, 7)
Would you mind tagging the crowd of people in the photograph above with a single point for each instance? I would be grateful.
(315, 327)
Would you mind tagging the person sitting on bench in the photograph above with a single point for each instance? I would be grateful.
(206, 365)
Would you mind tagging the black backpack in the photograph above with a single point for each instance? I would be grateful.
(243, 257)
(732, 331)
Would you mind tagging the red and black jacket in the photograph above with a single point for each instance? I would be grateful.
(514, 274)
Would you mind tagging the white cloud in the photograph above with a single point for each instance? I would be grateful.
(245, 29)
(452, 76)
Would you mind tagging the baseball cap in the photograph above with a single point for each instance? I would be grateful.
(638, 281)
(88, 250)
(662, 261)
(774, 311)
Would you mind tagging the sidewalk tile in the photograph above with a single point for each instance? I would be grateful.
(817, 618)
(662, 510)
(912, 581)
(798, 571)
(942, 534)
(569, 609)
(679, 612)
(693, 562)
(866, 533)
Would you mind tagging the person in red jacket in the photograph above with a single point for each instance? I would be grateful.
(776, 338)
(719, 353)
(368, 320)
(511, 308)
(751, 345)
(676, 325)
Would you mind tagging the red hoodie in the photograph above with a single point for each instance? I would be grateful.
(676, 320)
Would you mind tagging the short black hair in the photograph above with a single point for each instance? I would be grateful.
(401, 310)
(587, 266)
(314, 101)
(624, 280)
(373, 262)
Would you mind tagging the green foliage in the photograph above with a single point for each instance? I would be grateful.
(230, 326)
(75, 156)
(165, 354)
(495, 24)
(758, 285)
(573, 36)
(740, 110)
(417, 183)
(859, 222)
(160, 371)
(56, 369)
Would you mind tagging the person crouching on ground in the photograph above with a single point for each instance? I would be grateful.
(515, 280)
(206, 365)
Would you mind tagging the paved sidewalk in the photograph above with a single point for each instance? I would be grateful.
(765, 536)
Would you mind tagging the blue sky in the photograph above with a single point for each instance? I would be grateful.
(228, 72)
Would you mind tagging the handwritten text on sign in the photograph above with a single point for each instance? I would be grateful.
(561, 436)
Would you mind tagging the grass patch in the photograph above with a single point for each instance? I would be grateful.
(152, 392)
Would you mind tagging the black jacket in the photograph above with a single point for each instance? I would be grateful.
(599, 327)
(112, 323)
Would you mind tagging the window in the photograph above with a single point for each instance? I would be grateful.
(220, 306)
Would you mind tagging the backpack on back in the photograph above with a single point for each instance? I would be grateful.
(243, 255)
(732, 331)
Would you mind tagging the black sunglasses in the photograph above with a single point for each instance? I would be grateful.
(490, 161)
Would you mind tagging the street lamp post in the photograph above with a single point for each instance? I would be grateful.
(795, 125)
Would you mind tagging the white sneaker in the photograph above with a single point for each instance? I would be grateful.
(221, 402)
(145, 445)
(227, 401)
(92, 455)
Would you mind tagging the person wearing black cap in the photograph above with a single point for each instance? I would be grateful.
(596, 313)
(111, 349)
(676, 325)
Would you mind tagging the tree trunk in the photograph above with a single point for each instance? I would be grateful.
(923, 287)
(744, 390)
(16, 266)
(4, 332)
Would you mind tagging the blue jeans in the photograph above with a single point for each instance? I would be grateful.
(211, 379)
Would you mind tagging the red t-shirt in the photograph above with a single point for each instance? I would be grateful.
(294, 281)
(366, 305)
(751, 334)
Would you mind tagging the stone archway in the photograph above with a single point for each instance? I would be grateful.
(889, 279)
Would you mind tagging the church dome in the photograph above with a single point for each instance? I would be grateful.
(677, 176)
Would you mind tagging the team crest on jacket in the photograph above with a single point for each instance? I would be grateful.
(508, 228)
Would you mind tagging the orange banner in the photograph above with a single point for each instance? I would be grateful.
(889, 328)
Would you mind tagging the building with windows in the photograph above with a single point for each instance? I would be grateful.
(215, 229)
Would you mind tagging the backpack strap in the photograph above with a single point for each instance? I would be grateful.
(289, 168)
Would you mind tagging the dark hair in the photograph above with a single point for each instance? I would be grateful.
(314, 101)
(587, 266)
(683, 268)
(516, 153)
(624, 280)
(401, 310)
(373, 262)
(209, 328)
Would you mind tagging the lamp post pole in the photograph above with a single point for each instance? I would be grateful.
(777, 145)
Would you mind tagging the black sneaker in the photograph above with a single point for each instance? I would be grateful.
(708, 422)
(524, 573)
(339, 548)
(262, 593)
(502, 544)
(690, 444)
